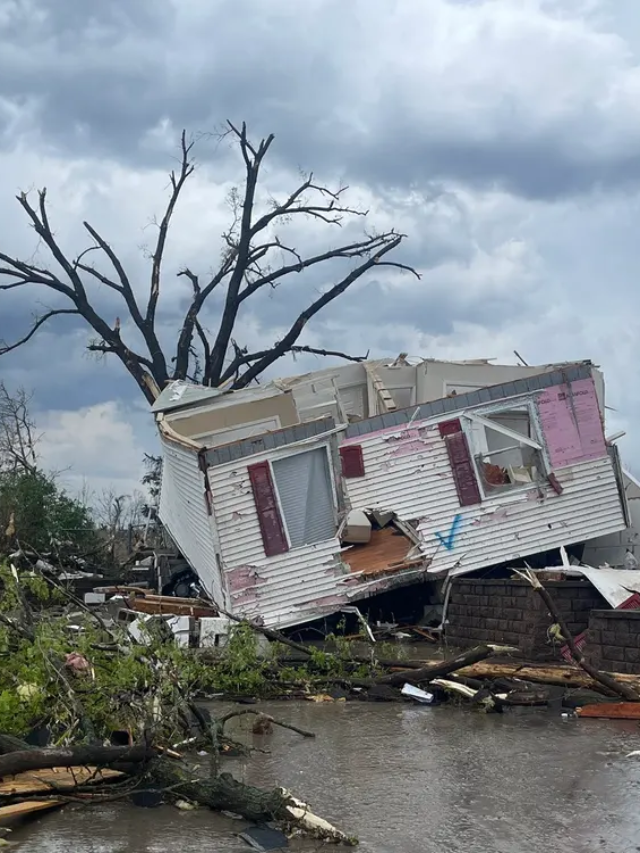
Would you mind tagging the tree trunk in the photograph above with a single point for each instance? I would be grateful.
(436, 670)
(75, 756)
(569, 676)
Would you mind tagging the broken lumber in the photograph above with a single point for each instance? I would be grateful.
(611, 711)
(9, 814)
(54, 780)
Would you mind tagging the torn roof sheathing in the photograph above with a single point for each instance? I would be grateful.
(179, 394)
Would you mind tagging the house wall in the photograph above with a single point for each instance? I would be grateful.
(219, 417)
(183, 511)
(511, 612)
(407, 469)
(286, 589)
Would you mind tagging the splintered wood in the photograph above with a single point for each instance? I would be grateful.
(9, 814)
(39, 781)
(49, 782)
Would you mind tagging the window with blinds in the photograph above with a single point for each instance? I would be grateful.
(303, 484)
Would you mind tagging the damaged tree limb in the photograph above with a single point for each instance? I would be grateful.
(437, 670)
(77, 756)
(255, 258)
(603, 678)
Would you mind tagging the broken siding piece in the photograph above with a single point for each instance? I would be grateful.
(271, 527)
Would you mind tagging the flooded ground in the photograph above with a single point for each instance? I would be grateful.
(405, 779)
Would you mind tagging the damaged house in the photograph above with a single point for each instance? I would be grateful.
(305, 496)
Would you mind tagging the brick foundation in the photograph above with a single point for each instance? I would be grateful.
(613, 641)
(510, 612)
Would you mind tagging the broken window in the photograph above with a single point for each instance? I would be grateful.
(305, 494)
(506, 449)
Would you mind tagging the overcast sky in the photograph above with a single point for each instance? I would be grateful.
(503, 137)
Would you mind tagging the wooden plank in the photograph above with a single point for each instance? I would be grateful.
(9, 814)
(167, 608)
(611, 711)
(39, 781)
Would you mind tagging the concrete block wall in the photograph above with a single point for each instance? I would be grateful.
(613, 641)
(510, 612)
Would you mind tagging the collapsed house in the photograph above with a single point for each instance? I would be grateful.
(304, 496)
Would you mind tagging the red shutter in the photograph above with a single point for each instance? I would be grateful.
(449, 428)
(352, 461)
(464, 474)
(273, 535)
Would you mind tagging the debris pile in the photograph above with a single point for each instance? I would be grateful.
(119, 701)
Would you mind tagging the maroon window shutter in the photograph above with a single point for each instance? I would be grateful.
(271, 527)
(464, 474)
(352, 461)
(449, 428)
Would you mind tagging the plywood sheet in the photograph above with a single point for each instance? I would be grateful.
(385, 552)
(9, 814)
(37, 781)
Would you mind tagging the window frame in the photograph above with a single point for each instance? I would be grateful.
(334, 494)
(479, 417)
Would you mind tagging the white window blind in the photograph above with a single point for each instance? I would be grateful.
(303, 483)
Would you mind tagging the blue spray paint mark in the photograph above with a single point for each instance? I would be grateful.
(448, 540)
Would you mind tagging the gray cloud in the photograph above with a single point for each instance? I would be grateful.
(528, 100)
(502, 138)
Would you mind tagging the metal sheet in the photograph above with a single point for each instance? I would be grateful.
(183, 511)
(614, 585)
(179, 394)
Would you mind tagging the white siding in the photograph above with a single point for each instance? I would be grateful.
(183, 511)
(409, 472)
(286, 589)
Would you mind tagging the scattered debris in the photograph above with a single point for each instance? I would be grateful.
(418, 695)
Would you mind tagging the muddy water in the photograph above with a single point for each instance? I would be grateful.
(406, 779)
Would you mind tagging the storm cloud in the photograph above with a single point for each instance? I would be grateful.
(502, 138)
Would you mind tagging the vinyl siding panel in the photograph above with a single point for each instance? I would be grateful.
(183, 511)
(286, 589)
(408, 471)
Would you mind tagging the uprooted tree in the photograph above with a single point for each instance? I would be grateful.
(254, 257)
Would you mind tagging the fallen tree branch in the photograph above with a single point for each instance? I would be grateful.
(224, 793)
(267, 717)
(73, 756)
(444, 667)
(604, 678)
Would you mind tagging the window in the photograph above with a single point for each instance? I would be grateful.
(305, 494)
(506, 450)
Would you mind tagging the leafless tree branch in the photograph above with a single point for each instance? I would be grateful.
(177, 183)
(39, 321)
(18, 439)
(254, 257)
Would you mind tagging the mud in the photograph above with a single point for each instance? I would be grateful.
(404, 778)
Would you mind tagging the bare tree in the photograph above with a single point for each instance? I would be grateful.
(18, 437)
(254, 257)
(116, 513)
